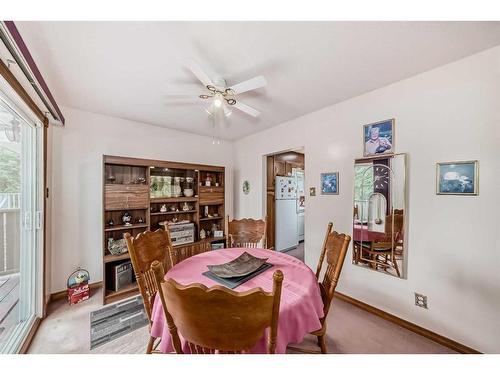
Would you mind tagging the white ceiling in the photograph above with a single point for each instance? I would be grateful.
(124, 69)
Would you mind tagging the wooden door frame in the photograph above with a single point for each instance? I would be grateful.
(267, 211)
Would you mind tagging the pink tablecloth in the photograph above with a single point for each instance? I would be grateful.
(301, 305)
(361, 233)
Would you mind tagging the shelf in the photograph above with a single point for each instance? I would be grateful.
(173, 200)
(129, 290)
(129, 184)
(125, 227)
(173, 212)
(113, 258)
(211, 218)
(126, 209)
(211, 189)
(213, 203)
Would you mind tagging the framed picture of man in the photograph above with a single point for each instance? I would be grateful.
(378, 138)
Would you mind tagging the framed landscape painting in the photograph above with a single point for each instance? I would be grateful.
(378, 138)
(457, 178)
(330, 183)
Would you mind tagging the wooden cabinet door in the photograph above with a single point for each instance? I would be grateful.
(211, 195)
(118, 197)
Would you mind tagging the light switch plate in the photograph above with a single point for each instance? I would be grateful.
(420, 300)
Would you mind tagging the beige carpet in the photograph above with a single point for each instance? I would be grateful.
(350, 330)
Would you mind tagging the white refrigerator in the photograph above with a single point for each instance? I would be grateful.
(286, 226)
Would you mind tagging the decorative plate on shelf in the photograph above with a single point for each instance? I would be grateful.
(245, 264)
(246, 187)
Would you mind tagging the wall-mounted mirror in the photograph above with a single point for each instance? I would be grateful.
(379, 215)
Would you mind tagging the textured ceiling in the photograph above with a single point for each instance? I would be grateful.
(125, 69)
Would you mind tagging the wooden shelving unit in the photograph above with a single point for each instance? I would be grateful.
(141, 187)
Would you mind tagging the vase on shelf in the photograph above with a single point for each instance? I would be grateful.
(176, 187)
(188, 187)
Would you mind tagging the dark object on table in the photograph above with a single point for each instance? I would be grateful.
(241, 266)
(234, 282)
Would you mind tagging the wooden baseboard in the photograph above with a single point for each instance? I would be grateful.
(64, 293)
(460, 348)
(31, 335)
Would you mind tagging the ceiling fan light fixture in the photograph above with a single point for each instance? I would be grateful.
(218, 101)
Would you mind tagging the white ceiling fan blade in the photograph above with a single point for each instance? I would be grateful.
(248, 85)
(182, 96)
(247, 109)
(199, 73)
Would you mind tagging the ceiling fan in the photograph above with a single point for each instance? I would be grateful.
(220, 96)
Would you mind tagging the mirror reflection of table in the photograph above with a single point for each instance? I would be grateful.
(361, 233)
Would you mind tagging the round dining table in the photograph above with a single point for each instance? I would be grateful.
(301, 306)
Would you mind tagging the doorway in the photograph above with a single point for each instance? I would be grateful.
(285, 202)
(21, 250)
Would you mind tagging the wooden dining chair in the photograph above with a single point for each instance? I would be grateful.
(218, 319)
(383, 251)
(144, 249)
(334, 249)
(246, 233)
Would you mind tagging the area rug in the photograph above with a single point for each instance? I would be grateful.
(116, 320)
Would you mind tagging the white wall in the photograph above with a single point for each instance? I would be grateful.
(76, 188)
(450, 113)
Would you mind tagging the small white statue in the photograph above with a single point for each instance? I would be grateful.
(202, 234)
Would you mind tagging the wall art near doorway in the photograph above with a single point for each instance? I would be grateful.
(330, 183)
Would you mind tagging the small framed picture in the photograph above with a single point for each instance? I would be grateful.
(378, 138)
(312, 191)
(457, 178)
(330, 183)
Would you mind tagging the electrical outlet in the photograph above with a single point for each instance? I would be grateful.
(420, 300)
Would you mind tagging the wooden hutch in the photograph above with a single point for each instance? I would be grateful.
(132, 186)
